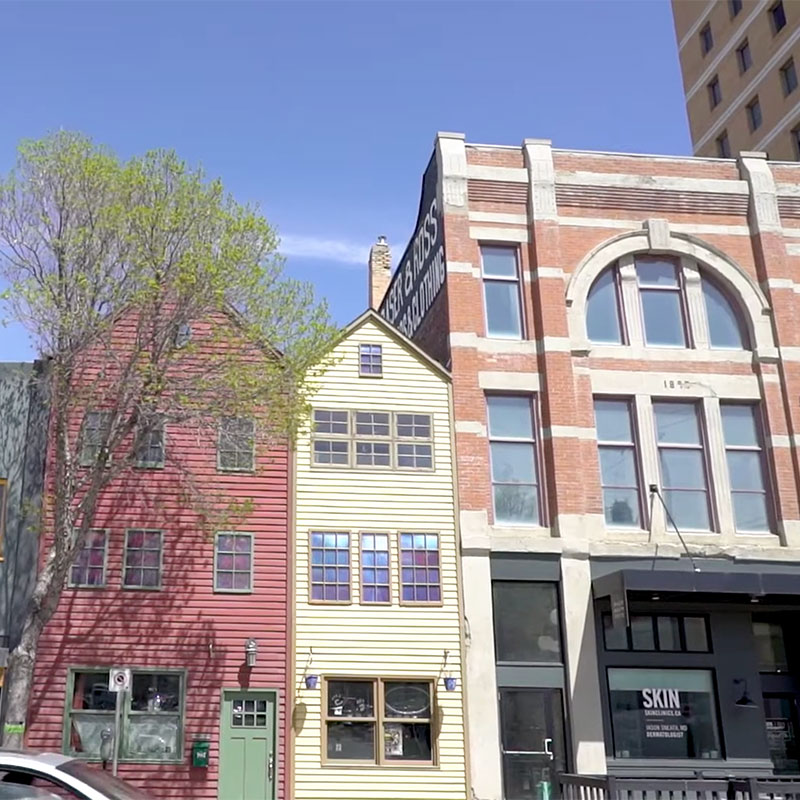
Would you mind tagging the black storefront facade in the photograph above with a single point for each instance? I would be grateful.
(699, 667)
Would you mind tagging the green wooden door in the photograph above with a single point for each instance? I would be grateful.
(247, 747)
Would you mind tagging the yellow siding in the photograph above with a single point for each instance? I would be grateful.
(378, 641)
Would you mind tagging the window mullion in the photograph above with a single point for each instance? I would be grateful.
(644, 421)
(379, 721)
(697, 322)
(720, 500)
(629, 298)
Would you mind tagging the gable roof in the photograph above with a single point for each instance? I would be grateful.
(370, 315)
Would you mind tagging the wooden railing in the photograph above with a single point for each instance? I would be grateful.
(588, 787)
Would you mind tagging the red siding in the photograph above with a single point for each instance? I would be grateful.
(185, 624)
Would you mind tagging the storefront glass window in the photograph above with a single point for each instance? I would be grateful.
(526, 625)
(664, 713)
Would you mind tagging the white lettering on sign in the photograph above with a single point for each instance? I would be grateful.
(660, 698)
(421, 275)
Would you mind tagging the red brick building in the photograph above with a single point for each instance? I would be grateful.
(161, 590)
(623, 333)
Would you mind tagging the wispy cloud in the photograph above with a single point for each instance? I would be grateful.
(339, 250)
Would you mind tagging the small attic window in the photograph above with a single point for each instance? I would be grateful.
(370, 360)
(183, 334)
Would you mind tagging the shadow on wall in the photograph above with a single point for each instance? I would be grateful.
(23, 442)
(184, 625)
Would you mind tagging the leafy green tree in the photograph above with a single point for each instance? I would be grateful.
(154, 297)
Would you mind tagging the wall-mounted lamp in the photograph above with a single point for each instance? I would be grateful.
(250, 652)
(310, 678)
(450, 682)
(745, 701)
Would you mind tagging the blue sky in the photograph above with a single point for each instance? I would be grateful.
(325, 113)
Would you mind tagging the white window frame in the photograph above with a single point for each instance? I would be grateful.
(516, 280)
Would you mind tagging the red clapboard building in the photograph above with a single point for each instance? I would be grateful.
(162, 587)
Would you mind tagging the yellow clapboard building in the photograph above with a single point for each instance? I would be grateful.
(378, 709)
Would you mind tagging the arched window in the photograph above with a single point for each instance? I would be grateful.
(724, 324)
(602, 309)
(662, 288)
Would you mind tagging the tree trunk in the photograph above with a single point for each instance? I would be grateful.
(19, 683)
(22, 659)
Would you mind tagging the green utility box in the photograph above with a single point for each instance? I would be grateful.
(200, 751)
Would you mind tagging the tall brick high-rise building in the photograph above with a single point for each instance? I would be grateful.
(623, 334)
(740, 62)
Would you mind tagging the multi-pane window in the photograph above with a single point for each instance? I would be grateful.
(236, 449)
(233, 562)
(94, 433)
(754, 118)
(142, 565)
(663, 308)
(662, 632)
(745, 457)
(328, 451)
(734, 6)
(150, 452)
(777, 16)
(414, 450)
(151, 721)
(723, 145)
(375, 576)
(619, 465)
(379, 721)
(661, 295)
(512, 443)
(706, 38)
(501, 294)
(378, 439)
(744, 57)
(330, 567)
(375, 426)
(682, 459)
(370, 359)
(89, 567)
(714, 92)
(788, 77)
(420, 573)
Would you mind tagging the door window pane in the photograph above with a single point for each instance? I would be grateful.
(532, 734)
(602, 310)
(526, 622)
(663, 713)
(782, 732)
(724, 328)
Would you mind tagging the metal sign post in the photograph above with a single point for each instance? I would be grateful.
(119, 681)
(117, 725)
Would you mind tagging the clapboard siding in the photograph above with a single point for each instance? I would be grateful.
(186, 624)
(376, 641)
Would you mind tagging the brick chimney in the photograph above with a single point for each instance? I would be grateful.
(380, 271)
